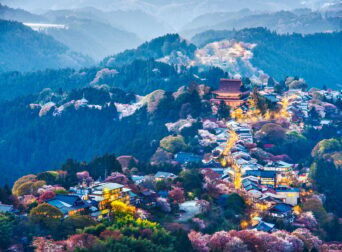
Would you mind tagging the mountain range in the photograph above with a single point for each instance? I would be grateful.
(170, 61)
(303, 21)
(174, 12)
(99, 31)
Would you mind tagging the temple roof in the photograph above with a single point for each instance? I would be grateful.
(230, 86)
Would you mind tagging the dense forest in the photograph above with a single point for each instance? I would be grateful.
(314, 57)
(140, 77)
(36, 138)
(23, 49)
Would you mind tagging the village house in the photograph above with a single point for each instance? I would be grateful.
(159, 176)
(148, 198)
(267, 178)
(69, 205)
(103, 193)
(288, 195)
(264, 226)
(278, 166)
(282, 211)
(252, 188)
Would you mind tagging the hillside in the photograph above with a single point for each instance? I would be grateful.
(141, 77)
(23, 49)
(170, 44)
(314, 57)
(39, 132)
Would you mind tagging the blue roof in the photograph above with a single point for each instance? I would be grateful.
(261, 173)
(185, 157)
(67, 198)
(281, 208)
(6, 208)
(247, 183)
(265, 227)
(66, 203)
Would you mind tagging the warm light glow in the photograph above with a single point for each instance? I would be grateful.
(297, 209)
(244, 224)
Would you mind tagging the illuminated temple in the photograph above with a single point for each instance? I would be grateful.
(230, 92)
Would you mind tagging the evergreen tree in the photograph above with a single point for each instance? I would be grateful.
(223, 111)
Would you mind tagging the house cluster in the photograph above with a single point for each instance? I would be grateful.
(94, 199)
(267, 184)
(299, 104)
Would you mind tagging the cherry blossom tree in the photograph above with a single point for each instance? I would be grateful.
(164, 204)
(204, 205)
(46, 196)
(81, 176)
(199, 223)
(117, 177)
(43, 244)
(81, 241)
(199, 242)
(177, 195)
(308, 220)
(310, 241)
(294, 243)
(210, 175)
(212, 190)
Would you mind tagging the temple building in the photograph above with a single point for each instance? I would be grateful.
(230, 92)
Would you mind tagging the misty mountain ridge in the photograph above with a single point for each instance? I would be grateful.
(23, 49)
(295, 21)
(174, 12)
(91, 31)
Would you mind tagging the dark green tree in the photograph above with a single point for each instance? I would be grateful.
(223, 111)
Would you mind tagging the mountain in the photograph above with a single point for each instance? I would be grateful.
(86, 31)
(23, 49)
(157, 48)
(149, 26)
(93, 38)
(296, 21)
(315, 57)
(19, 15)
